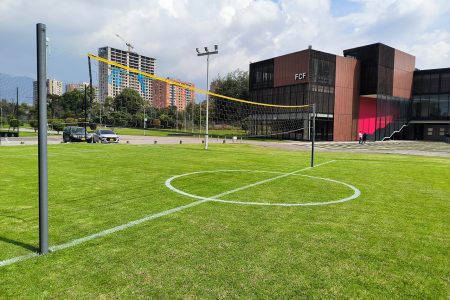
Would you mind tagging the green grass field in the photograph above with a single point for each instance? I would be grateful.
(393, 241)
(168, 132)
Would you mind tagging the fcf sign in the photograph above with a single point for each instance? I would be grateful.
(300, 76)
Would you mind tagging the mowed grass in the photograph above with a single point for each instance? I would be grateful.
(169, 132)
(391, 242)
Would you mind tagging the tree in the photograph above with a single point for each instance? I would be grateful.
(164, 119)
(235, 85)
(34, 124)
(73, 103)
(55, 106)
(129, 101)
(14, 123)
(58, 125)
(108, 105)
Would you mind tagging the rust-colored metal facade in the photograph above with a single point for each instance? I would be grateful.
(346, 99)
(286, 66)
(369, 89)
(404, 65)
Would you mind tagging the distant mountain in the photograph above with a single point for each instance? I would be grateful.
(8, 85)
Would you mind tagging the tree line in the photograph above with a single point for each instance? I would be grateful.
(128, 108)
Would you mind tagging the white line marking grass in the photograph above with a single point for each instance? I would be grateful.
(153, 216)
(356, 192)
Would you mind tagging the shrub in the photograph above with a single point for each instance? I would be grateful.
(34, 124)
(93, 126)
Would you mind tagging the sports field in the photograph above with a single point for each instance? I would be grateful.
(385, 234)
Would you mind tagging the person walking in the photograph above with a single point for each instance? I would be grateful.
(360, 136)
(364, 138)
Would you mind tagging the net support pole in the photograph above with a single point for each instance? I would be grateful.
(42, 136)
(313, 133)
(85, 113)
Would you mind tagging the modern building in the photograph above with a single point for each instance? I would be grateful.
(169, 95)
(80, 87)
(113, 80)
(76, 86)
(373, 89)
(54, 87)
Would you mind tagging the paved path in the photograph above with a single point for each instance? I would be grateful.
(393, 147)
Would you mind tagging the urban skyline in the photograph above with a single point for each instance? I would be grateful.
(246, 31)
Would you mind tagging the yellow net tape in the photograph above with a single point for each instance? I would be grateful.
(112, 63)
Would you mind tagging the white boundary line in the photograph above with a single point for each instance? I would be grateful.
(356, 192)
(101, 233)
(153, 216)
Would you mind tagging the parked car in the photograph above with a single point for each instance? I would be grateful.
(76, 134)
(105, 136)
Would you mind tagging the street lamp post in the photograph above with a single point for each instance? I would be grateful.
(207, 53)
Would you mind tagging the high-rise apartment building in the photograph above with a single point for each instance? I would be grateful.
(54, 87)
(169, 95)
(80, 87)
(113, 80)
(76, 86)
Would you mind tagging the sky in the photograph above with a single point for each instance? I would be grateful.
(245, 30)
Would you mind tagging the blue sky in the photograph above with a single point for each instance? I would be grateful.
(245, 31)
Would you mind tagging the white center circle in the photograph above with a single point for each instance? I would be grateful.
(356, 192)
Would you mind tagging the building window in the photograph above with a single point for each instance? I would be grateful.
(430, 131)
(441, 131)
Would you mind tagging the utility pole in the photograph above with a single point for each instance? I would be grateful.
(145, 119)
(17, 110)
(207, 53)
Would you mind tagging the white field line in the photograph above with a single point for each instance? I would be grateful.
(17, 259)
(148, 218)
(101, 233)
(266, 180)
(356, 192)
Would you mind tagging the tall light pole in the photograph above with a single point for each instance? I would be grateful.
(207, 53)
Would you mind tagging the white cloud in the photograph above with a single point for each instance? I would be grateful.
(245, 31)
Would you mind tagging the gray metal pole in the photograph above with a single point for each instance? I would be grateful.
(207, 102)
(42, 139)
(207, 53)
(17, 110)
(85, 113)
(313, 137)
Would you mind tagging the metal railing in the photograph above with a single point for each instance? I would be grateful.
(394, 132)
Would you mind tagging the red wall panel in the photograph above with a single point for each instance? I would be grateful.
(367, 115)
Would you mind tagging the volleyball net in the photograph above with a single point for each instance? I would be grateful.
(169, 104)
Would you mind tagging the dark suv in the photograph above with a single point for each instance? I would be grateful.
(76, 134)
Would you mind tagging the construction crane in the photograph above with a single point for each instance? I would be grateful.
(126, 43)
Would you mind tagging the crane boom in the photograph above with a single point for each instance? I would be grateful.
(126, 43)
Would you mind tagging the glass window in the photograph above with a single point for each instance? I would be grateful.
(434, 84)
(434, 106)
(424, 105)
(445, 83)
